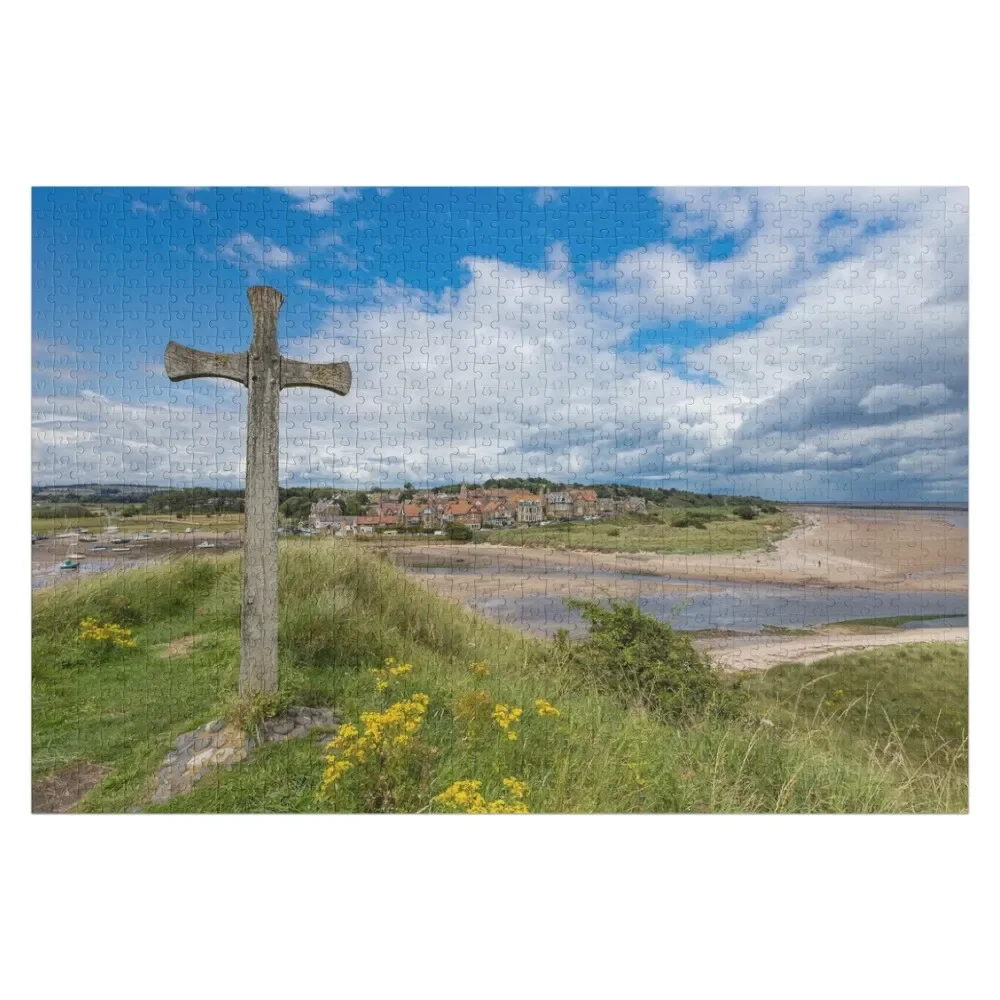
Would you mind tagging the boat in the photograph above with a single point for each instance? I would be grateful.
(75, 555)
(68, 564)
(123, 548)
(205, 545)
(98, 548)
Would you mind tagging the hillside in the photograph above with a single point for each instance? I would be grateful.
(773, 744)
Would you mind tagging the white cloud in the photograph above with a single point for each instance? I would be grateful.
(319, 200)
(246, 250)
(140, 206)
(889, 398)
(861, 378)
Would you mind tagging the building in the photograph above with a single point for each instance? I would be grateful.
(584, 503)
(463, 512)
(323, 513)
(529, 511)
(558, 506)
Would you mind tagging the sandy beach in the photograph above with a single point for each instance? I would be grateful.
(879, 563)
(758, 652)
(905, 550)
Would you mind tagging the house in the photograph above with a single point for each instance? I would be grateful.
(411, 515)
(429, 518)
(324, 512)
(529, 511)
(498, 514)
(584, 503)
(558, 505)
(463, 512)
(606, 506)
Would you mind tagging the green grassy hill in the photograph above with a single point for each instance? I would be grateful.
(866, 733)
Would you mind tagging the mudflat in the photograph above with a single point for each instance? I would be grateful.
(902, 550)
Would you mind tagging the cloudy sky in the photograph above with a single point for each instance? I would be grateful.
(796, 343)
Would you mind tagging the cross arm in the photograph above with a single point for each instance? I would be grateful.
(183, 363)
(335, 377)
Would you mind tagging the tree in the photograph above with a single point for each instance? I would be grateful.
(296, 508)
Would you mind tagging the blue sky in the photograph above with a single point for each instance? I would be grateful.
(798, 343)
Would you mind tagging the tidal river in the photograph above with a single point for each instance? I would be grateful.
(839, 565)
(705, 604)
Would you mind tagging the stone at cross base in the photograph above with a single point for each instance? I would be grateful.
(265, 373)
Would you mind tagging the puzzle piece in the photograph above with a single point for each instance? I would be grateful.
(741, 411)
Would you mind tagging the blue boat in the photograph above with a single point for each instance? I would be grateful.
(68, 564)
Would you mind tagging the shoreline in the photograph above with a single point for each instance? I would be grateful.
(906, 551)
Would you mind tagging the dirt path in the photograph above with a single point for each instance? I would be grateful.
(758, 652)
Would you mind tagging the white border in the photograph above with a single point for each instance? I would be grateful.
(392, 94)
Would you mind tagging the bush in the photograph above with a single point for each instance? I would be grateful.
(648, 663)
(747, 513)
(459, 532)
(689, 521)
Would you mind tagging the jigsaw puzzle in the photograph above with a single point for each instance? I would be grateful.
(500, 500)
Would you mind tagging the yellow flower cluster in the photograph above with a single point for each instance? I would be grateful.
(464, 796)
(393, 668)
(506, 717)
(385, 734)
(543, 708)
(478, 668)
(109, 633)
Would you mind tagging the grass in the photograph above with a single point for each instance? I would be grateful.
(908, 700)
(890, 621)
(130, 525)
(654, 533)
(890, 743)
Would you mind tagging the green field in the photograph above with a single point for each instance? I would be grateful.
(141, 522)
(879, 732)
(723, 532)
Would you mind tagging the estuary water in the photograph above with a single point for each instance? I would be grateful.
(742, 607)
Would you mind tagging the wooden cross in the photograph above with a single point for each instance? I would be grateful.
(265, 373)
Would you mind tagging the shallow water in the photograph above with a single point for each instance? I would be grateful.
(742, 607)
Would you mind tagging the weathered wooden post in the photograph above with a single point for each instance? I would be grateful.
(265, 373)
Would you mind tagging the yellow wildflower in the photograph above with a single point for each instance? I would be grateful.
(384, 735)
(108, 634)
(543, 708)
(465, 796)
(518, 789)
(478, 668)
(393, 668)
(505, 717)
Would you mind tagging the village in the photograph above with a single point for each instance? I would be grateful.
(473, 507)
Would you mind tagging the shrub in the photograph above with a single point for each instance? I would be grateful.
(459, 532)
(689, 521)
(647, 663)
(384, 760)
(747, 513)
